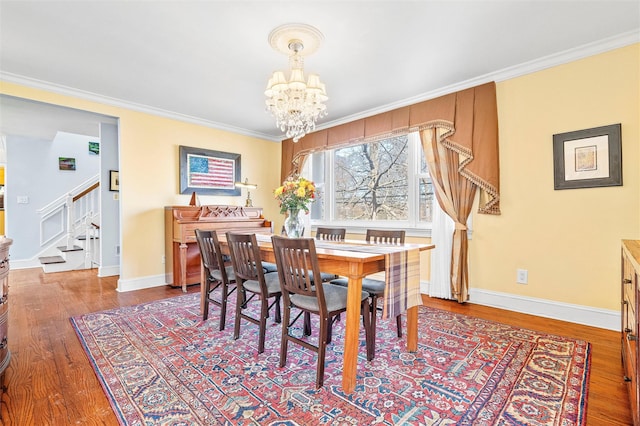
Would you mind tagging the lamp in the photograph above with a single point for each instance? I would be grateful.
(248, 186)
(296, 104)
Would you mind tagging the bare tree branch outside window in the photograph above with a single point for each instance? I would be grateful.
(371, 181)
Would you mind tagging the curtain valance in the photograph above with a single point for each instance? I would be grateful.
(466, 122)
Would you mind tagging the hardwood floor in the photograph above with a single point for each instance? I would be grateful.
(50, 380)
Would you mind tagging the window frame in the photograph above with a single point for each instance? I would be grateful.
(412, 225)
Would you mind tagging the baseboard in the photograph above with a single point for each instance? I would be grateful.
(25, 264)
(579, 314)
(108, 271)
(141, 283)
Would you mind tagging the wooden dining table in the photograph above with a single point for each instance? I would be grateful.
(337, 258)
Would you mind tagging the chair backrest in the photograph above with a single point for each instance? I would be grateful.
(294, 257)
(210, 253)
(245, 255)
(379, 236)
(333, 234)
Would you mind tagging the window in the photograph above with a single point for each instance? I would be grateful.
(378, 184)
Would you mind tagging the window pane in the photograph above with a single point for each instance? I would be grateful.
(426, 200)
(317, 163)
(371, 181)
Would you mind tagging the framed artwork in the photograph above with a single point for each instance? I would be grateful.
(114, 180)
(94, 148)
(66, 163)
(588, 158)
(208, 172)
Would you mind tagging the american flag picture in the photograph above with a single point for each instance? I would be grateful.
(211, 172)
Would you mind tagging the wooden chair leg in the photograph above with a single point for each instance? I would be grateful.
(370, 338)
(285, 332)
(205, 313)
(399, 325)
(239, 302)
(306, 331)
(322, 349)
(278, 315)
(223, 306)
(374, 321)
(264, 314)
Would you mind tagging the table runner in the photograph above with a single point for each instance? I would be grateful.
(402, 273)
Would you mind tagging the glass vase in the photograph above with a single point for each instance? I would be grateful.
(293, 224)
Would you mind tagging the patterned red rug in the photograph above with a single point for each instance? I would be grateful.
(159, 363)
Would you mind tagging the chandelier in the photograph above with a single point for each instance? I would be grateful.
(296, 104)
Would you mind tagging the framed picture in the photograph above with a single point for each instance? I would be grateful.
(208, 172)
(588, 158)
(66, 163)
(94, 148)
(114, 180)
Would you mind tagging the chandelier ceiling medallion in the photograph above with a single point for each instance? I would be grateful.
(295, 103)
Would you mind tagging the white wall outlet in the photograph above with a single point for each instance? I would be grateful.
(522, 276)
(117, 250)
(23, 199)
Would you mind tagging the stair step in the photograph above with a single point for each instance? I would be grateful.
(48, 260)
(65, 249)
(84, 237)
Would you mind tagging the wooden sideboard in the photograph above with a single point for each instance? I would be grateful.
(5, 355)
(182, 256)
(630, 322)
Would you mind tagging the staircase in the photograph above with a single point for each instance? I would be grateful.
(69, 233)
(74, 257)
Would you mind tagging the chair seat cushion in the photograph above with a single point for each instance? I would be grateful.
(368, 284)
(269, 267)
(335, 296)
(217, 275)
(272, 281)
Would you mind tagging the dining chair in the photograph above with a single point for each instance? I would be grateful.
(294, 257)
(329, 234)
(373, 286)
(218, 274)
(251, 278)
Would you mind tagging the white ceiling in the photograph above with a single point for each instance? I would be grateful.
(208, 61)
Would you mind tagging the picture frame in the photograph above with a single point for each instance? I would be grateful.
(94, 148)
(209, 172)
(66, 163)
(114, 180)
(588, 158)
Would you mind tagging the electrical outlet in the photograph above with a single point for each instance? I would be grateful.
(163, 259)
(522, 276)
(117, 250)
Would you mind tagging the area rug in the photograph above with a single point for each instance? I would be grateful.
(159, 363)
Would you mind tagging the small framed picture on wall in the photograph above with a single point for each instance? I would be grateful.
(66, 163)
(114, 180)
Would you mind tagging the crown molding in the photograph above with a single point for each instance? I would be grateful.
(94, 97)
(545, 62)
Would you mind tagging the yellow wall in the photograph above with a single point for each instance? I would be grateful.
(149, 174)
(568, 240)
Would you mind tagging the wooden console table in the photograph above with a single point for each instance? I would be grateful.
(182, 256)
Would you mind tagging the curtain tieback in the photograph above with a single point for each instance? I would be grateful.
(460, 227)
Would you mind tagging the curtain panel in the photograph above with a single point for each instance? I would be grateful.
(468, 123)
